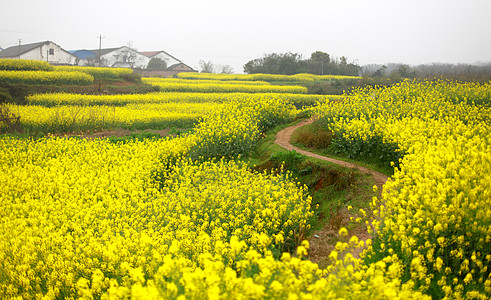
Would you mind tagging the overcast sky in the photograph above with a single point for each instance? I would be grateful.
(234, 32)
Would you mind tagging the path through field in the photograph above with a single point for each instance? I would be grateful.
(322, 241)
(283, 139)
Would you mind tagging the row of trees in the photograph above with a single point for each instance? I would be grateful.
(472, 72)
(289, 63)
(210, 67)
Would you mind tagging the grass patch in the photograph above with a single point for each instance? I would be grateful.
(317, 140)
(340, 196)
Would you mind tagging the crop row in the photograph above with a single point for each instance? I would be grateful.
(70, 118)
(223, 87)
(8, 64)
(36, 65)
(97, 72)
(53, 99)
(303, 77)
(211, 81)
(46, 77)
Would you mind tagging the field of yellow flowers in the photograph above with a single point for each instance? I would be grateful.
(34, 72)
(435, 213)
(96, 72)
(183, 218)
(24, 65)
(61, 112)
(54, 99)
(217, 86)
(136, 116)
(46, 77)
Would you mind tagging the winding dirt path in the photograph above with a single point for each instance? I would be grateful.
(283, 139)
(322, 241)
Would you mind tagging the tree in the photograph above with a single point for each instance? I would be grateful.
(285, 63)
(292, 63)
(206, 66)
(156, 64)
(210, 67)
(319, 63)
(227, 69)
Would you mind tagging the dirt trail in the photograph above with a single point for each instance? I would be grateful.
(322, 241)
(283, 139)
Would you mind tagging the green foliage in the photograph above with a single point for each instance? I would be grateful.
(156, 64)
(135, 136)
(341, 86)
(286, 63)
(242, 122)
(5, 96)
(132, 77)
(372, 150)
(289, 159)
(292, 63)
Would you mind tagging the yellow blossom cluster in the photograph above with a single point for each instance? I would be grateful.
(8, 64)
(172, 85)
(241, 121)
(70, 118)
(88, 217)
(435, 212)
(92, 219)
(97, 72)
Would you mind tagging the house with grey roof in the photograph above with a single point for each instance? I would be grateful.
(45, 51)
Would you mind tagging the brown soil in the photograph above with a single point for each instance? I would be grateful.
(323, 241)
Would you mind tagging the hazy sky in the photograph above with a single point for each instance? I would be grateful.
(234, 32)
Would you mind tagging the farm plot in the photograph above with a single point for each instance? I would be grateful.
(184, 217)
(172, 85)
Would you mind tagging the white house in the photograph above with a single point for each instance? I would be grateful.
(46, 51)
(169, 59)
(122, 57)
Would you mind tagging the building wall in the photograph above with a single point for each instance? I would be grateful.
(125, 56)
(182, 67)
(51, 53)
(168, 59)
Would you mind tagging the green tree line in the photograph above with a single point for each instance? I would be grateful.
(289, 63)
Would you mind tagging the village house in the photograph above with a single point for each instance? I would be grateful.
(125, 57)
(45, 51)
(164, 56)
(121, 57)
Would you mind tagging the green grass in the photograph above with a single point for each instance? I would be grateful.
(338, 193)
(314, 139)
(332, 187)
